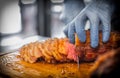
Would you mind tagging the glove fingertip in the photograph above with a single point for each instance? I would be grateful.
(94, 44)
(71, 37)
(83, 39)
(72, 41)
(82, 36)
(94, 40)
(105, 39)
(106, 36)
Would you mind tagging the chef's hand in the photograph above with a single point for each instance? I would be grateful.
(71, 9)
(98, 11)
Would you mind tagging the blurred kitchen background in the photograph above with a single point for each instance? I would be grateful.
(23, 21)
(28, 19)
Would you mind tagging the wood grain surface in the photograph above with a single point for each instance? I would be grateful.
(12, 67)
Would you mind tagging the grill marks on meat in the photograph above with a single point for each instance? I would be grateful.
(61, 50)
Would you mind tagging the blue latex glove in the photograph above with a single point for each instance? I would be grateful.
(96, 11)
(71, 9)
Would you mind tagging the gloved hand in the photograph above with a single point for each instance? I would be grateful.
(71, 9)
(97, 11)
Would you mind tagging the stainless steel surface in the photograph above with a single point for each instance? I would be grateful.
(10, 48)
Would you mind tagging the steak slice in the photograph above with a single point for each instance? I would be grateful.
(61, 50)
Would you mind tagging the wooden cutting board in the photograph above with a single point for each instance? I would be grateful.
(11, 66)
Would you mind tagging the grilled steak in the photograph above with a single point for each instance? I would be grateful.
(61, 50)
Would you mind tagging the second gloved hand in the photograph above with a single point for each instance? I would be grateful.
(98, 11)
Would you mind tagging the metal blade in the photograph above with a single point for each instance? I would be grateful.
(78, 62)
